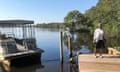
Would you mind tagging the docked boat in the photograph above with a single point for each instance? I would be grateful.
(17, 41)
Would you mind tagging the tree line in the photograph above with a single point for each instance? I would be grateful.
(106, 12)
(49, 25)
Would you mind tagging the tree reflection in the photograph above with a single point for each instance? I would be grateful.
(78, 39)
(85, 39)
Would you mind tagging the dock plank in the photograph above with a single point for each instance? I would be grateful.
(88, 63)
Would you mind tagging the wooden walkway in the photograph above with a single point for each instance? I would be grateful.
(88, 63)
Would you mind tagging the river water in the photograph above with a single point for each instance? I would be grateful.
(48, 40)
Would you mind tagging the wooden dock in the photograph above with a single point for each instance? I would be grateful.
(88, 63)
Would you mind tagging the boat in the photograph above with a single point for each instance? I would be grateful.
(18, 43)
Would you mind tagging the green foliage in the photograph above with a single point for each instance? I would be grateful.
(117, 48)
(75, 20)
(108, 13)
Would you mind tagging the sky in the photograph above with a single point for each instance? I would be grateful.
(42, 11)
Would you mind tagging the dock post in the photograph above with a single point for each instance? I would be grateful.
(61, 67)
(61, 48)
(70, 69)
(69, 47)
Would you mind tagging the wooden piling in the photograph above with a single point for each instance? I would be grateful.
(61, 48)
(69, 47)
(61, 67)
(70, 67)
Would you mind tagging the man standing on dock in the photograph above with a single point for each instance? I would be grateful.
(99, 40)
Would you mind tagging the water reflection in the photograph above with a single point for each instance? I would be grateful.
(61, 67)
(49, 41)
(84, 50)
(82, 41)
(32, 68)
(28, 68)
(78, 40)
(72, 67)
(49, 29)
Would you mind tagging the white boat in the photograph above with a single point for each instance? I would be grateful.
(17, 41)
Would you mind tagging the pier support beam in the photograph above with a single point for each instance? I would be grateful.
(69, 47)
(61, 48)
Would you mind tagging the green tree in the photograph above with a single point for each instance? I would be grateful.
(76, 20)
(108, 13)
(73, 19)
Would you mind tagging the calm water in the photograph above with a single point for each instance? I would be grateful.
(48, 40)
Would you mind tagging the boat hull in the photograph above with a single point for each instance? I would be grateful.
(26, 60)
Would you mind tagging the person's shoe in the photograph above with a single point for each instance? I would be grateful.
(101, 56)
